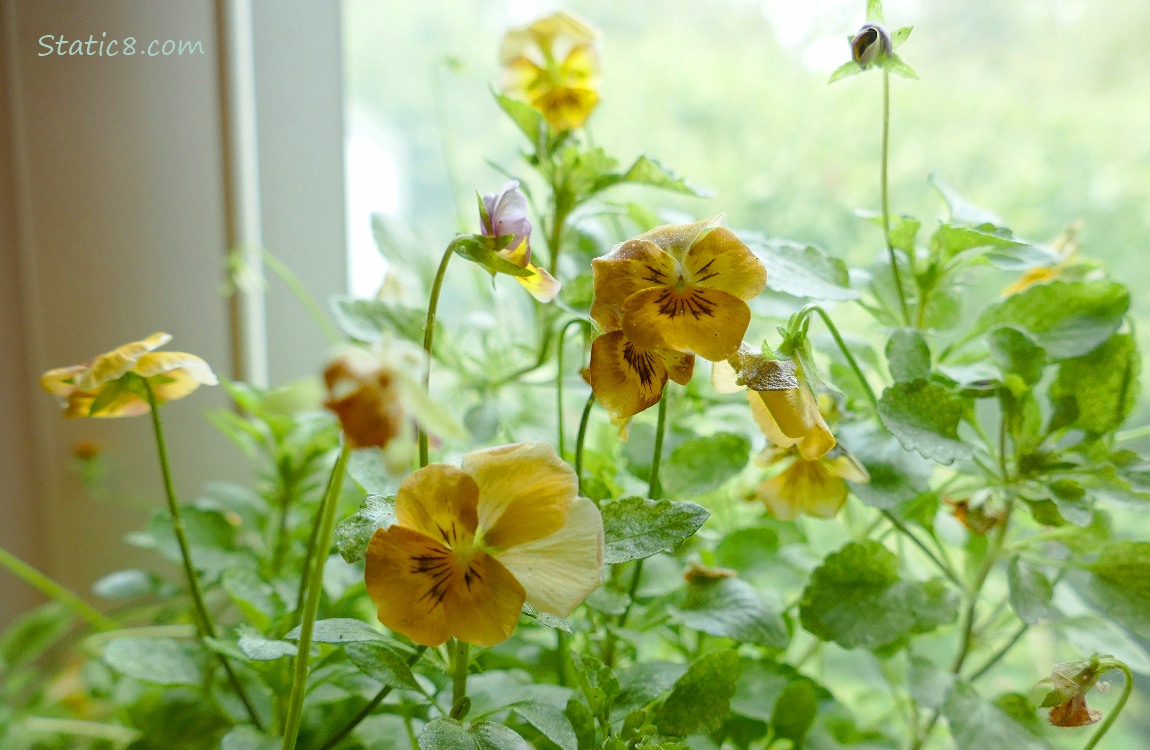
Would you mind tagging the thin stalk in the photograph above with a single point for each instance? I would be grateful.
(461, 660)
(555, 237)
(296, 287)
(203, 617)
(312, 544)
(1104, 727)
(559, 380)
(886, 197)
(114, 733)
(581, 438)
(367, 710)
(943, 567)
(842, 345)
(311, 604)
(1134, 433)
(428, 341)
(53, 590)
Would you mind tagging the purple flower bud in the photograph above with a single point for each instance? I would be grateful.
(506, 214)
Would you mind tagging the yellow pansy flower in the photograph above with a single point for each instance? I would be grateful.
(813, 486)
(553, 66)
(99, 388)
(681, 287)
(471, 545)
(626, 379)
(1065, 247)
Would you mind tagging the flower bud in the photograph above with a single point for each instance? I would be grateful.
(871, 45)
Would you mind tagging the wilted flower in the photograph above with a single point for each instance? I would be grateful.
(110, 386)
(871, 44)
(975, 514)
(680, 287)
(505, 215)
(471, 545)
(553, 66)
(1067, 686)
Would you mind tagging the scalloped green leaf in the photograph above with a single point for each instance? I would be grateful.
(353, 533)
(924, 417)
(804, 270)
(635, 528)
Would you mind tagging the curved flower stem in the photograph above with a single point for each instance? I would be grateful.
(312, 543)
(297, 288)
(581, 438)
(851, 361)
(428, 340)
(367, 710)
(54, 590)
(886, 198)
(461, 657)
(1104, 727)
(559, 379)
(311, 604)
(203, 617)
(942, 566)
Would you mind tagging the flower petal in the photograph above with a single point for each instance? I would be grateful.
(803, 487)
(114, 364)
(680, 366)
(677, 239)
(524, 490)
(485, 608)
(61, 381)
(720, 260)
(560, 570)
(725, 379)
(440, 502)
(706, 322)
(625, 380)
(566, 107)
(630, 267)
(581, 67)
(407, 576)
(796, 412)
(183, 373)
(846, 467)
(766, 422)
(541, 285)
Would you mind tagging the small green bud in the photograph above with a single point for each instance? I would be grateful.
(871, 45)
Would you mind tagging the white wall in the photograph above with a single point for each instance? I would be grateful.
(115, 224)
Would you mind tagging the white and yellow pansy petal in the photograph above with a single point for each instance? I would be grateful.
(581, 67)
(677, 239)
(441, 502)
(118, 362)
(524, 489)
(60, 382)
(846, 466)
(560, 570)
(706, 322)
(796, 412)
(540, 284)
(766, 421)
(725, 378)
(624, 379)
(408, 576)
(484, 605)
(183, 373)
(720, 260)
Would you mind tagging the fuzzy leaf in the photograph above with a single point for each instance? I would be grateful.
(1016, 354)
(551, 722)
(449, 734)
(730, 608)
(1120, 584)
(977, 723)
(382, 663)
(907, 355)
(635, 528)
(924, 417)
(1030, 592)
(702, 464)
(353, 533)
(368, 320)
(846, 70)
(1103, 384)
(160, 661)
(701, 698)
(804, 270)
(338, 630)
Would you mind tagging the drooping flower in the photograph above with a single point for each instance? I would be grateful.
(505, 215)
(471, 545)
(1067, 686)
(872, 44)
(812, 486)
(110, 385)
(553, 66)
(680, 287)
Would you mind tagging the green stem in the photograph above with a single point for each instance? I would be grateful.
(428, 341)
(203, 617)
(53, 590)
(296, 287)
(1135, 433)
(886, 197)
(942, 566)
(555, 237)
(1104, 727)
(312, 545)
(559, 379)
(461, 659)
(842, 345)
(581, 438)
(114, 733)
(369, 709)
(311, 604)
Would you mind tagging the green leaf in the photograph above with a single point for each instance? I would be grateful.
(249, 738)
(528, 119)
(368, 320)
(160, 661)
(643, 682)
(1016, 354)
(551, 722)
(258, 647)
(760, 685)
(730, 608)
(383, 664)
(33, 633)
(1103, 384)
(977, 723)
(210, 534)
(598, 682)
(1120, 584)
(646, 171)
(903, 233)
(929, 685)
(846, 70)
(951, 239)
(338, 630)
(856, 599)
(255, 597)
(1066, 318)
(896, 475)
(963, 211)
(635, 528)
(924, 417)
(795, 710)
(449, 734)
(702, 464)
(125, 584)
(907, 355)
(874, 11)
(701, 698)
(1030, 592)
(546, 619)
(899, 67)
(803, 270)
(353, 533)
(900, 35)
